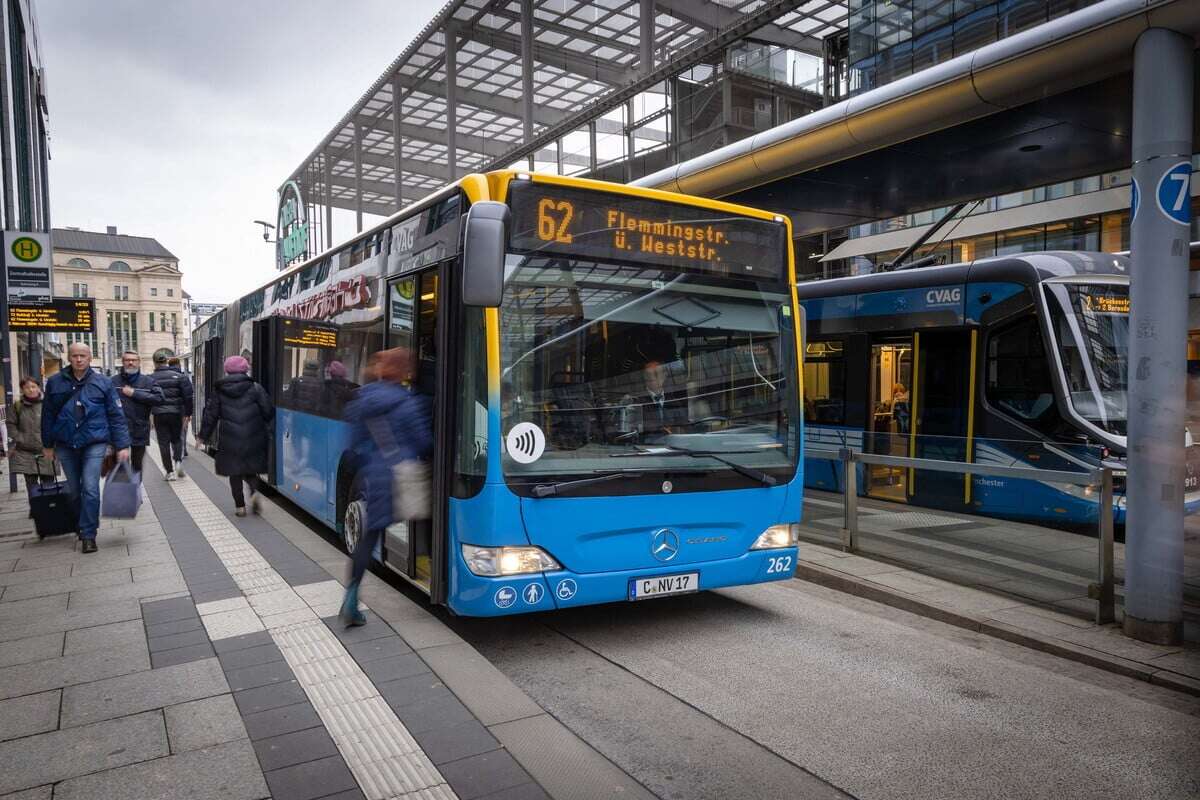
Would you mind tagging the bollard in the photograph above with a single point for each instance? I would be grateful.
(849, 500)
(1104, 590)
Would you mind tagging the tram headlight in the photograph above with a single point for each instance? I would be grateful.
(776, 536)
(494, 562)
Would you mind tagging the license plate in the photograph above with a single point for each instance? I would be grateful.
(663, 585)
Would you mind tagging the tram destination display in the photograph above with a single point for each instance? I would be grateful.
(68, 314)
(604, 226)
(306, 333)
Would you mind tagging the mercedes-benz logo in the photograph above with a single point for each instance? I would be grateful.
(664, 544)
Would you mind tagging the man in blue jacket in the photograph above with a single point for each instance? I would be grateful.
(81, 417)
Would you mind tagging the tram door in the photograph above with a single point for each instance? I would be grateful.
(265, 361)
(210, 370)
(889, 416)
(940, 409)
(415, 312)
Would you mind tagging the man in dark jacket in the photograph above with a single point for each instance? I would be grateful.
(81, 418)
(172, 414)
(138, 395)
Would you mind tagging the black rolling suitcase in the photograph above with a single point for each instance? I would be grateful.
(55, 512)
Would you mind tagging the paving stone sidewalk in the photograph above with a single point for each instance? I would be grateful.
(1023, 583)
(197, 655)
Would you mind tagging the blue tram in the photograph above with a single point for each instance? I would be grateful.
(1017, 360)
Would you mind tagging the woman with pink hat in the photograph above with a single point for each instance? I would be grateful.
(240, 412)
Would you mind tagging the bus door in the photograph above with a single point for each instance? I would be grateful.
(889, 416)
(209, 370)
(265, 361)
(417, 309)
(940, 400)
(308, 434)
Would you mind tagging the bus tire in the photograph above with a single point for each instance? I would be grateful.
(354, 516)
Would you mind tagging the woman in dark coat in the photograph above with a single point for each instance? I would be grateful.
(389, 424)
(24, 422)
(244, 412)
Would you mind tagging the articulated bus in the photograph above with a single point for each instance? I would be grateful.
(1017, 360)
(614, 376)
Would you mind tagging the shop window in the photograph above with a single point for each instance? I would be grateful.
(1074, 234)
(1021, 240)
(825, 383)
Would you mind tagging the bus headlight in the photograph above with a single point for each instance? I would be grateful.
(785, 535)
(497, 561)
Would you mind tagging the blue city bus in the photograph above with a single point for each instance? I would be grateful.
(614, 377)
(1017, 360)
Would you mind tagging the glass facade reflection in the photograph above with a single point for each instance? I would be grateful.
(890, 39)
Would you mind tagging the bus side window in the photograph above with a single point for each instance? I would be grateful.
(824, 383)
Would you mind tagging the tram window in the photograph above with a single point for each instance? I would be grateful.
(470, 446)
(302, 368)
(1018, 374)
(824, 383)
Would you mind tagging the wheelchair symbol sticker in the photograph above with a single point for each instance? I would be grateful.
(534, 593)
(566, 589)
(505, 596)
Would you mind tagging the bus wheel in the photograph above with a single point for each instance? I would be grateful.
(354, 522)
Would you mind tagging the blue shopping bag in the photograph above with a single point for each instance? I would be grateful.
(122, 492)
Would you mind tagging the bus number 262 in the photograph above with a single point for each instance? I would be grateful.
(779, 564)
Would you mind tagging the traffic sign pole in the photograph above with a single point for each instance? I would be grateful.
(6, 362)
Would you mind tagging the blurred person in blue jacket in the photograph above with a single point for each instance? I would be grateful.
(81, 418)
(390, 425)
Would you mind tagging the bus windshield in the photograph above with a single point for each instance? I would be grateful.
(1091, 325)
(610, 360)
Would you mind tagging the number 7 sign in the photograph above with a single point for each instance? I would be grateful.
(1174, 193)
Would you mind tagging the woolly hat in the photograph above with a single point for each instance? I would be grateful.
(235, 365)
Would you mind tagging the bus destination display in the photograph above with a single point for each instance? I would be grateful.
(60, 314)
(305, 333)
(588, 224)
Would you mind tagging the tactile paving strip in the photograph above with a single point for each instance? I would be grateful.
(385, 759)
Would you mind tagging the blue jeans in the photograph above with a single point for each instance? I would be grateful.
(82, 468)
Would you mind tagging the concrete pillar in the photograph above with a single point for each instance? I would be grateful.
(1162, 140)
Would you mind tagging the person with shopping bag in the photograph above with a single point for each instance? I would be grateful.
(139, 393)
(81, 419)
(391, 434)
(24, 423)
(242, 409)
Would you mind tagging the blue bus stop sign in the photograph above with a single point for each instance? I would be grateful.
(1134, 196)
(1174, 193)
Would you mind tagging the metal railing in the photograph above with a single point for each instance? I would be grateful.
(1103, 591)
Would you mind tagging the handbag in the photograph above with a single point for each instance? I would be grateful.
(412, 484)
(122, 493)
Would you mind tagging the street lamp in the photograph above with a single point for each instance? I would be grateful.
(267, 228)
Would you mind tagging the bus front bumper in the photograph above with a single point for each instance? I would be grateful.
(476, 596)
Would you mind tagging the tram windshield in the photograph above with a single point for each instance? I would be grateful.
(633, 367)
(1091, 325)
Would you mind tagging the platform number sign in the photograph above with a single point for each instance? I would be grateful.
(1174, 193)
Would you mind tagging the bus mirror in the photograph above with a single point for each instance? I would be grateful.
(483, 254)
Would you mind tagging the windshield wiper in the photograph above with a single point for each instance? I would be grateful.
(552, 489)
(676, 450)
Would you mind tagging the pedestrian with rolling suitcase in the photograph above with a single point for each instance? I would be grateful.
(82, 418)
(24, 423)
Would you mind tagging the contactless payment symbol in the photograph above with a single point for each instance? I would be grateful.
(505, 596)
(534, 593)
(1174, 193)
(26, 249)
(566, 589)
(525, 443)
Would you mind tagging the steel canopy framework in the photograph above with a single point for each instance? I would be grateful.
(517, 77)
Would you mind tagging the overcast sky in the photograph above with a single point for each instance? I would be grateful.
(178, 119)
